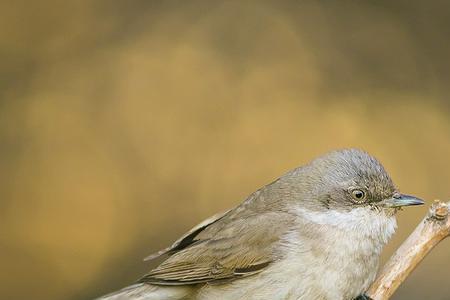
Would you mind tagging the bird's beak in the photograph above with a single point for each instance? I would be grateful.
(401, 200)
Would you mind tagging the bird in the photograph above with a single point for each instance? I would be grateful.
(316, 232)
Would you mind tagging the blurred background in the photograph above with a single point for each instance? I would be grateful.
(125, 123)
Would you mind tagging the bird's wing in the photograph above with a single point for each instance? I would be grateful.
(188, 238)
(231, 247)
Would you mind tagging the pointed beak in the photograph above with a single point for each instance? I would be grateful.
(401, 200)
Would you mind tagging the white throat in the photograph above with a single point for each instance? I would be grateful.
(363, 221)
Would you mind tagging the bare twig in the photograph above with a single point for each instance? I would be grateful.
(434, 228)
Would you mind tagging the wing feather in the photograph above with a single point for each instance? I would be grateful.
(188, 238)
(224, 248)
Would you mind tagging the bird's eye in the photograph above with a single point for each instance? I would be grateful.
(358, 195)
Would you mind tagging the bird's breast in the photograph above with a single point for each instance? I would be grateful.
(335, 255)
(331, 256)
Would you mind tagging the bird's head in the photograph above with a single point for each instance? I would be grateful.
(347, 179)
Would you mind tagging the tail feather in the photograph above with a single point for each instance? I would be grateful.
(143, 291)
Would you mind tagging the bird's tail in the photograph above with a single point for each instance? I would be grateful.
(143, 291)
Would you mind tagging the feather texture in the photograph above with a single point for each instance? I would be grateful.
(230, 246)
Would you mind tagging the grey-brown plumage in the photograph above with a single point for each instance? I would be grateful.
(312, 224)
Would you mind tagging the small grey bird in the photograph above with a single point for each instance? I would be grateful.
(315, 233)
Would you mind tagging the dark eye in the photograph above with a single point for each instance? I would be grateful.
(358, 195)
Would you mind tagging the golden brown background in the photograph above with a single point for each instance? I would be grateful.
(124, 123)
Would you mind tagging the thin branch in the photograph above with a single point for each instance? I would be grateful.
(434, 228)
